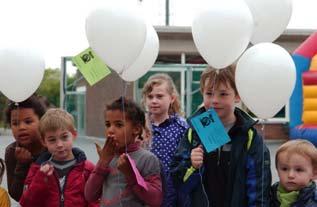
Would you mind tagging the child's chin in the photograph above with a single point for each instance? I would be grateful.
(24, 143)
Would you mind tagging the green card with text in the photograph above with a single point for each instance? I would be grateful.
(91, 66)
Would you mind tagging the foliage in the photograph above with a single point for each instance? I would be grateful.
(49, 87)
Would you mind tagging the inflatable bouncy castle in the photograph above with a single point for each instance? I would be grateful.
(303, 102)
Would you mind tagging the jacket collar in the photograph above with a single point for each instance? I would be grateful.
(130, 148)
(305, 194)
(78, 154)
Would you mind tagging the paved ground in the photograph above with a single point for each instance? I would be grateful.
(87, 144)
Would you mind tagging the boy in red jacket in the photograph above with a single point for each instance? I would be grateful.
(58, 177)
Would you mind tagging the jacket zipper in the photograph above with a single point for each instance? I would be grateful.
(62, 197)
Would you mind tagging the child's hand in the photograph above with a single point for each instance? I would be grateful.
(107, 152)
(23, 155)
(124, 166)
(47, 169)
(197, 157)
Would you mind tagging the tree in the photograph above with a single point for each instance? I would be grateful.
(50, 86)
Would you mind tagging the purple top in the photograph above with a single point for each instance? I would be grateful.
(166, 137)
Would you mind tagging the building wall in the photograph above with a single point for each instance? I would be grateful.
(97, 96)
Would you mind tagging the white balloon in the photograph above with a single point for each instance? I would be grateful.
(271, 17)
(265, 78)
(146, 59)
(117, 35)
(222, 31)
(21, 72)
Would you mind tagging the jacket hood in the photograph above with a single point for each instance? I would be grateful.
(244, 121)
(78, 154)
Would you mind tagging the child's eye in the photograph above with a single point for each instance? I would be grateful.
(284, 168)
(51, 140)
(299, 170)
(224, 94)
(65, 137)
(14, 123)
(119, 125)
(149, 96)
(107, 124)
(209, 93)
(28, 121)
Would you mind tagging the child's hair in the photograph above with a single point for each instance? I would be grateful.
(158, 79)
(55, 119)
(132, 110)
(33, 102)
(2, 169)
(301, 147)
(217, 77)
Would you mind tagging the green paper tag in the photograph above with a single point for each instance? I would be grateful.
(91, 66)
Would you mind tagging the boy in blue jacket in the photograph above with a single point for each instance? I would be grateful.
(236, 174)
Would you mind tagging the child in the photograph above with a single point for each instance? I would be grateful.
(4, 197)
(113, 180)
(24, 121)
(161, 99)
(236, 174)
(58, 176)
(296, 164)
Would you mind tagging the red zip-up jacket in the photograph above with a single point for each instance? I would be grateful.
(41, 190)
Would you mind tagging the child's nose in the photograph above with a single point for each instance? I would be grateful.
(291, 174)
(59, 143)
(214, 99)
(21, 125)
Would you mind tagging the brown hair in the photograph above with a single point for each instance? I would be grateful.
(217, 77)
(55, 119)
(301, 147)
(159, 79)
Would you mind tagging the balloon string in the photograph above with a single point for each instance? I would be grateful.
(124, 91)
(213, 88)
(123, 111)
(263, 136)
(17, 117)
(203, 187)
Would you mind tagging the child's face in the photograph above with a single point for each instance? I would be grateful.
(60, 143)
(295, 171)
(222, 99)
(24, 125)
(159, 100)
(120, 128)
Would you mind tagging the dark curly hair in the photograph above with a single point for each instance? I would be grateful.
(132, 110)
(2, 169)
(34, 102)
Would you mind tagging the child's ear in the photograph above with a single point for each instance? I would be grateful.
(137, 130)
(173, 98)
(74, 133)
(315, 174)
(43, 142)
(237, 99)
